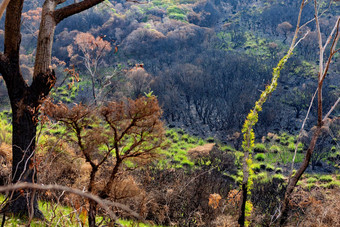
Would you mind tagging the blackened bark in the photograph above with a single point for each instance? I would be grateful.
(294, 179)
(107, 189)
(242, 217)
(93, 204)
(25, 102)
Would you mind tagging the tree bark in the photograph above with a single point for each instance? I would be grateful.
(25, 100)
(294, 179)
(93, 205)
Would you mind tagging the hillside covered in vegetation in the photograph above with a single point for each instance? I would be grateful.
(146, 110)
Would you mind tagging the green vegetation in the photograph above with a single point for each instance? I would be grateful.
(312, 180)
(275, 149)
(260, 157)
(326, 178)
(259, 148)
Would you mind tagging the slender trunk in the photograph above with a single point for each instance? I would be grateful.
(242, 213)
(242, 217)
(93, 204)
(106, 192)
(93, 89)
(294, 179)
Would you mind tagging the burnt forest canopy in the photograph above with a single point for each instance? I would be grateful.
(206, 61)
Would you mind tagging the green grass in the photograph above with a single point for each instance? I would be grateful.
(59, 215)
(179, 143)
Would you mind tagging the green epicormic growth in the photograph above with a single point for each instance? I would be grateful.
(251, 120)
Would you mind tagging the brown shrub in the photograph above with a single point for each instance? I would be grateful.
(201, 151)
(5, 163)
(321, 208)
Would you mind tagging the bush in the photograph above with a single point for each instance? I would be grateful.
(270, 168)
(256, 167)
(284, 139)
(262, 177)
(278, 170)
(263, 166)
(330, 185)
(279, 177)
(326, 178)
(259, 157)
(210, 140)
(300, 148)
(310, 186)
(259, 148)
(312, 180)
(185, 137)
(275, 149)
(291, 147)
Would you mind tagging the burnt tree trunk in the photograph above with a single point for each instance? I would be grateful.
(26, 99)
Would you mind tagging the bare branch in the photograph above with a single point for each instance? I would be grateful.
(103, 203)
(3, 7)
(331, 110)
(75, 8)
(302, 127)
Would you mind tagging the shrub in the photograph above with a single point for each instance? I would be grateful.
(192, 140)
(259, 157)
(256, 167)
(333, 149)
(291, 147)
(310, 186)
(279, 177)
(278, 170)
(284, 139)
(177, 16)
(210, 140)
(275, 149)
(262, 177)
(270, 168)
(263, 166)
(300, 148)
(312, 180)
(291, 139)
(227, 148)
(330, 185)
(175, 138)
(259, 148)
(326, 178)
(185, 137)
(337, 177)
